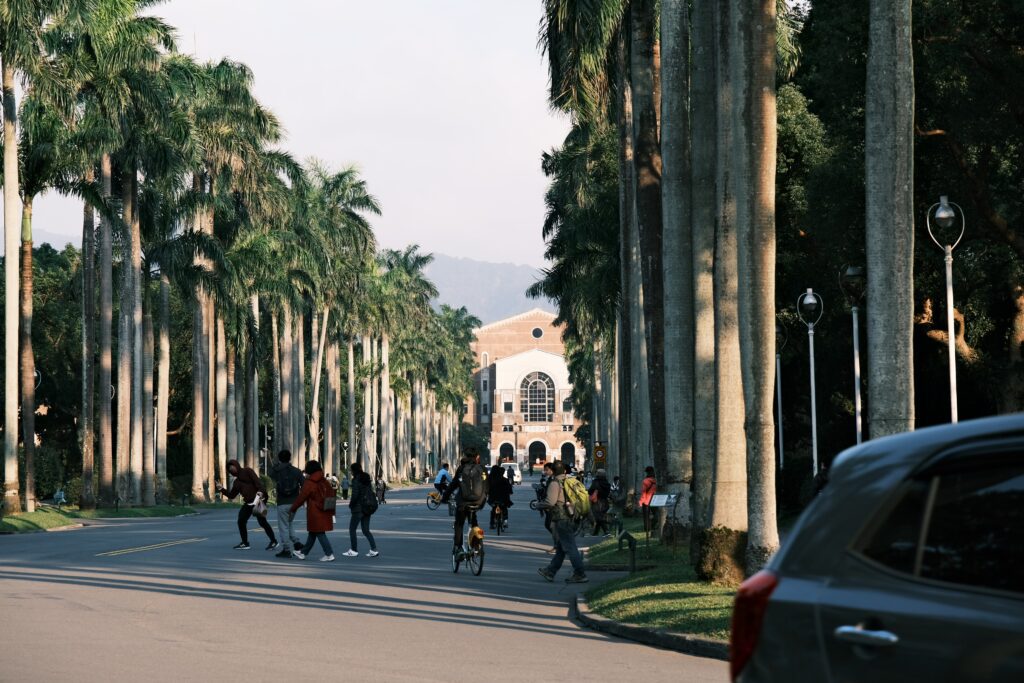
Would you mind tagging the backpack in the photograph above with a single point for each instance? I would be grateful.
(369, 503)
(291, 483)
(473, 485)
(577, 500)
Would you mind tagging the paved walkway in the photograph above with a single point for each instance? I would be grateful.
(169, 600)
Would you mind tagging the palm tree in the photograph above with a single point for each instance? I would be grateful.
(889, 237)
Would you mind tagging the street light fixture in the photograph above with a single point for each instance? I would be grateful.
(809, 307)
(945, 218)
(853, 282)
(781, 337)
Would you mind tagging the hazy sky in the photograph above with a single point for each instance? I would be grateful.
(441, 103)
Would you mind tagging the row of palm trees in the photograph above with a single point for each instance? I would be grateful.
(177, 160)
(661, 233)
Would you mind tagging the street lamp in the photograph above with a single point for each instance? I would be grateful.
(945, 218)
(853, 282)
(809, 307)
(781, 337)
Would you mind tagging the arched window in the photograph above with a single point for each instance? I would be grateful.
(487, 361)
(537, 397)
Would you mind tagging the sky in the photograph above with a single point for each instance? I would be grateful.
(440, 103)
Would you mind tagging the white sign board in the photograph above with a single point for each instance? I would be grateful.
(663, 501)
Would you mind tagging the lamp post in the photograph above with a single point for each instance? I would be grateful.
(945, 218)
(853, 281)
(781, 337)
(809, 307)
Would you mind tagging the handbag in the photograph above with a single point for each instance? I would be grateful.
(259, 507)
(329, 504)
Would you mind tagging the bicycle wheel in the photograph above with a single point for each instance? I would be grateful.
(534, 504)
(456, 561)
(499, 520)
(433, 502)
(476, 561)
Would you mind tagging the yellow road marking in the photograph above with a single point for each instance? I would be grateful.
(155, 546)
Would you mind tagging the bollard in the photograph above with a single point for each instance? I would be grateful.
(628, 537)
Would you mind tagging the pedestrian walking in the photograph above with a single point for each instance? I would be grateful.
(344, 486)
(250, 487)
(647, 492)
(499, 491)
(319, 499)
(362, 505)
(288, 481)
(554, 504)
(599, 492)
(381, 488)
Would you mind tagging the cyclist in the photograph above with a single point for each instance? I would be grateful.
(443, 479)
(499, 491)
(470, 487)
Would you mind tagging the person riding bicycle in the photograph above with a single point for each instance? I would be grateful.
(470, 487)
(499, 492)
(443, 478)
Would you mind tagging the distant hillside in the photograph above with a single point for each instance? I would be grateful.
(491, 291)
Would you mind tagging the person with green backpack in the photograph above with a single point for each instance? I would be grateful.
(564, 504)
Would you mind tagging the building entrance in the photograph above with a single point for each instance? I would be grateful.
(538, 452)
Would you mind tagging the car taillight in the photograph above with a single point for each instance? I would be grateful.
(747, 617)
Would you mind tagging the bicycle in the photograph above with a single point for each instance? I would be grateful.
(500, 519)
(433, 500)
(472, 551)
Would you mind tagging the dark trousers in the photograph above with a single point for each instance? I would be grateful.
(356, 521)
(244, 513)
(317, 536)
(461, 516)
(565, 539)
(494, 507)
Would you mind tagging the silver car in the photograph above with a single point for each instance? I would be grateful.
(908, 566)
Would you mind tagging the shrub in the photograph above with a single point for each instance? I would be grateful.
(73, 491)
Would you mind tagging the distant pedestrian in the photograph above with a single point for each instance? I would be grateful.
(248, 485)
(499, 492)
(381, 488)
(345, 485)
(599, 492)
(362, 505)
(319, 515)
(647, 492)
(554, 504)
(547, 475)
(413, 470)
(288, 480)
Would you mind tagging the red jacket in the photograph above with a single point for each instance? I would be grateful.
(650, 487)
(313, 492)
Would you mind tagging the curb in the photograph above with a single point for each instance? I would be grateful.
(66, 527)
(669, 640)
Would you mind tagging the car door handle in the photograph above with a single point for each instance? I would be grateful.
(861, 636)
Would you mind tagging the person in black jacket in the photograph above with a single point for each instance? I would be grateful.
(499, 491)
(466, 507)
(288, 480)
(362, 486)
(249, 485)
(599, 502)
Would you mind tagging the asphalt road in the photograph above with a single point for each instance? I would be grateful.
(169, 600)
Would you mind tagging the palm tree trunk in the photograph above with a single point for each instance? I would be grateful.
(375, 406)
(336, 412)
(889, 197)
(318, 355)
(27, 360)
(722, 550)
(754, 91)
(210, 373)
(367, 437)
(300, 385)
(86, 428)
(704, 127)
(276, 379)
(148, 455)
(137, 347)
(123, 461)
(678, 251)
(106, 431)
(231, 426)
(221, 380)
(198, 400)
(644, 70)
(388, 431)
(253, 407)
(241, 400)
(351, 399)
(287, 383)
(12, 215)
(163, 384)
(330, 400)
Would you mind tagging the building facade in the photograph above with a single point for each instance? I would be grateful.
(522, 391)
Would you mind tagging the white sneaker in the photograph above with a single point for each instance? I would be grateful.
(350, 553)
(327, 558)
(372, 553)
(297, 554)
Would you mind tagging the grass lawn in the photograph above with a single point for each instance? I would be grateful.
(51, 518)
(668, 595)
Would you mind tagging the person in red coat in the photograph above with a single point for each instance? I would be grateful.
(318, 521)
(650, 488)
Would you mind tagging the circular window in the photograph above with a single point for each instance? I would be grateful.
(537, 333)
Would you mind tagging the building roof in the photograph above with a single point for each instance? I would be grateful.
(527, 353)
(536, 313)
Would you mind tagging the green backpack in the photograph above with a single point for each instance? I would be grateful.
(577, 500)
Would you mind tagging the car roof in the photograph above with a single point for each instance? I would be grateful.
(863, 477)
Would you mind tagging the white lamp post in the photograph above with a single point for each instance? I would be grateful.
(781, 337)
(852, 281)
(945, 218)
(809, 306)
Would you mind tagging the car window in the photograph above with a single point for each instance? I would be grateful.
(975, 532)
(894, 538)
